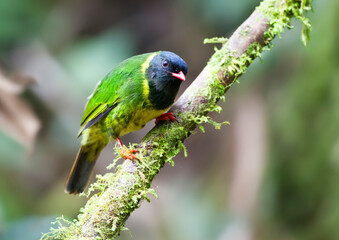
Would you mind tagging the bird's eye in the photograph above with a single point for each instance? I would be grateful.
(165, 63)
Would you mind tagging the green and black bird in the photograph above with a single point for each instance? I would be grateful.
(138, 90)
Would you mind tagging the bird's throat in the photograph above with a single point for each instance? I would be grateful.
(162, 95)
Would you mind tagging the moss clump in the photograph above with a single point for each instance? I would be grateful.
(214, 40)
(280, 14)
(65, 230)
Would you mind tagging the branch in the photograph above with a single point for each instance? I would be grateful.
(122, 192)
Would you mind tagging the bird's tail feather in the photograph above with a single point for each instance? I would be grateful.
(82, 168)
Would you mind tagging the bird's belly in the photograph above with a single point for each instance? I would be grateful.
(138, 120)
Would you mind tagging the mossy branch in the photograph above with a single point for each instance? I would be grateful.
(120, 193)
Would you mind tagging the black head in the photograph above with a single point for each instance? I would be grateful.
(166, 72)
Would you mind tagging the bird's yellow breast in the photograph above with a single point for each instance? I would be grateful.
(140, 118)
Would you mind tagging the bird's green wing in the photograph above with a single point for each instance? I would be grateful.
(103, 99)
(99, 111)
(111, 89)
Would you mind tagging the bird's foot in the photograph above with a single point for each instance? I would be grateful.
(165, 117)
(129, 153)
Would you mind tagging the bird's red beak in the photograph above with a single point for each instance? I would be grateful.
(179, 75)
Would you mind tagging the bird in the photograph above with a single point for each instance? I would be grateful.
(136, 91)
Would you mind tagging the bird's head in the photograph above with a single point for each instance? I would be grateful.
(166, 72)
(167, 66)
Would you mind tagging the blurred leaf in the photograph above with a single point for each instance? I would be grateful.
(16, 117)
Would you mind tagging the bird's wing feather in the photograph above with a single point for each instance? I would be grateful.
(101, 102)
(95, 115)
(122, 81)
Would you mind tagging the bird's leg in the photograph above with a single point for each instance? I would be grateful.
(168, 116)
(126, 153)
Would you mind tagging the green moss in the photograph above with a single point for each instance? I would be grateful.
(214, 40)
(280, 14)
(65, 230)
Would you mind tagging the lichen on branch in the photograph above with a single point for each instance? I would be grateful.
(119, 194)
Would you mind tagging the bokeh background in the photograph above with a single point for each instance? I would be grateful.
(273, 173)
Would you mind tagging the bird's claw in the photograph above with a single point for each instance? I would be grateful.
(129, 154)
(165, 117)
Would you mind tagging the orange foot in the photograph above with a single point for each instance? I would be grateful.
(165, 117)
(127, 153)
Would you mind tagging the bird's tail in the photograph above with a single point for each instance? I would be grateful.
(83, 167)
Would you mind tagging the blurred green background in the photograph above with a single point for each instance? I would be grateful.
(273, 173)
